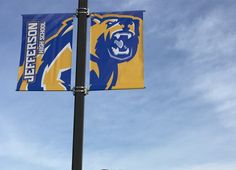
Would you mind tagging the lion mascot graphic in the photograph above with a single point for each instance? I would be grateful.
(115, 40)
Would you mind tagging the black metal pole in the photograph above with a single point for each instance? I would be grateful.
(77, 153)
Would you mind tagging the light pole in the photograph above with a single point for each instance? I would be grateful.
(79, 90)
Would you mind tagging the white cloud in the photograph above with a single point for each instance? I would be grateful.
(208, 37)
(169, 157)
(14, 146)
(138, 3)
(210, 166)
(210, 45)
(218, 88)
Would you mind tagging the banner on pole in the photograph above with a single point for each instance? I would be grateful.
(46, 53)
(116, 51)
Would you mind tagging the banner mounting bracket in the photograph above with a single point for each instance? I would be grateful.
(80, 89)
(82, 11)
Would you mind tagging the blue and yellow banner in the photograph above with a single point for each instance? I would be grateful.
(116, 51)
(46, 53)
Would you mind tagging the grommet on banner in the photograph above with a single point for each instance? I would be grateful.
(80, 89)
(82, 11)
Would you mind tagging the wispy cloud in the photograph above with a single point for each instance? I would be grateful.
(210, 37)
(210, 166)
(189, 104)
(210, 44)
(15, 146)
(181, 155)
(183, 120)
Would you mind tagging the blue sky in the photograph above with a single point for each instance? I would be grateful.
(185, 119)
